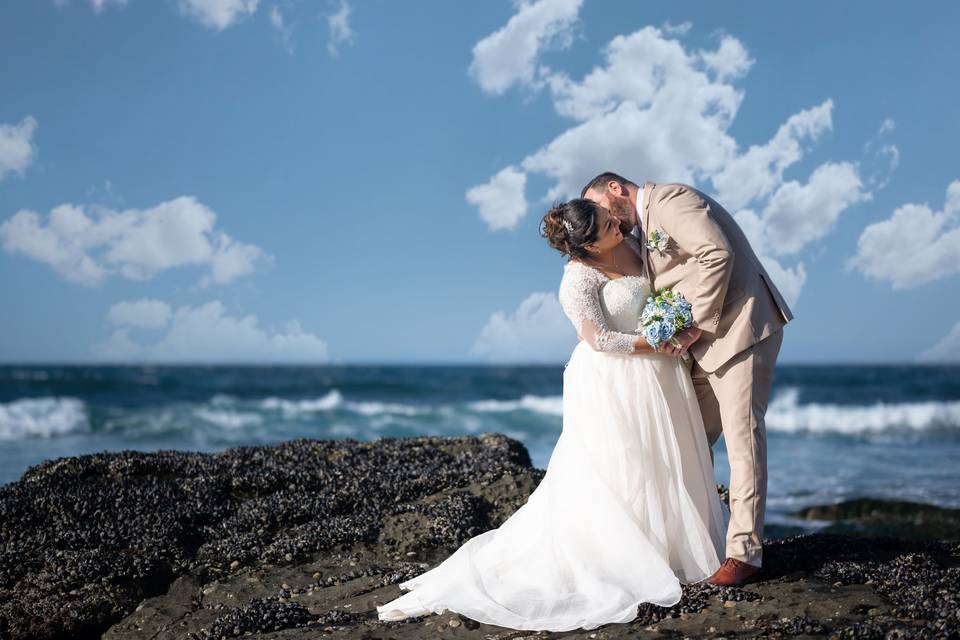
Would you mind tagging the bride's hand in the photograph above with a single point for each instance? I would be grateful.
(666, 348)
(671, 349)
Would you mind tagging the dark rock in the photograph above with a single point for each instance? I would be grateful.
(84, 540)
(305, 538)
(256, 617)
(798, 626)
(898, 518)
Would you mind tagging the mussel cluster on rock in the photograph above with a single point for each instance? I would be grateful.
(304, 535)
(84, 540)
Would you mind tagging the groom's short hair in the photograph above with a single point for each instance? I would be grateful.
(600, 182)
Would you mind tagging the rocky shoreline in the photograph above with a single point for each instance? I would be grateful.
(303, 539)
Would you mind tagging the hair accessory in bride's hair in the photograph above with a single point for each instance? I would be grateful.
(568, 226)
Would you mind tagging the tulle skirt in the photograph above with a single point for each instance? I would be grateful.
(626, 513)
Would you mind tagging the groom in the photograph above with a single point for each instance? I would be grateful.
(738, 316)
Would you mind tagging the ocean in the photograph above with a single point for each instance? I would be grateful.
(834, 432)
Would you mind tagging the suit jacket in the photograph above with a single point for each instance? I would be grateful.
(709, 260)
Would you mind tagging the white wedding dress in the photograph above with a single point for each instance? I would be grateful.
(628, 509)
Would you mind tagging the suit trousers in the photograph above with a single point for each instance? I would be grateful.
(733, 400)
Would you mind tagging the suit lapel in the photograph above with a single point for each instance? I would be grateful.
(645, 231)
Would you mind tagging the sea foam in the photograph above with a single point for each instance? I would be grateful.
(43, 417)
(289, 408)
(334, 400)
(787, 414)
(229, 419)
(550, 405)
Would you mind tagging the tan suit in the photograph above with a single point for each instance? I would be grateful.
(741, 313)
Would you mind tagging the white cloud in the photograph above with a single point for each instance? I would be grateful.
(17, 151)
(232, 260)
(885, 160)
(100, 5)
(881, 158)
(947, 349)
(730, 60)
(501, 201)
(789, 280)
(340, 31)
(509, 55)
(87, 244)
(537, 331)
(798, 214)
(681, 29)
(892, 154)
(276, 18)
(654, 109)
(280, 24)
(217, 14)
(145, 314)
(647, 69)
(759, 170)
(208, 334)
(649, 111)
(916, 245)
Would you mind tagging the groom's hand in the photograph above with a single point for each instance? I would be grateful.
(687, 337)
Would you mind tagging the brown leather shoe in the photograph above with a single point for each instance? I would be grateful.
(734, 573)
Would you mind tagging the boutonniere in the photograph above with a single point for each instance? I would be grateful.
(658, 241)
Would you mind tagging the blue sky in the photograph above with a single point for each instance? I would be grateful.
(244, 180)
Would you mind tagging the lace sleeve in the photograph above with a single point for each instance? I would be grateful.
(580, 298)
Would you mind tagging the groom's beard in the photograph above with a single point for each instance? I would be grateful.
(622, 209)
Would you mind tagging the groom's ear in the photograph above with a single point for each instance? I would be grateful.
(616, 188)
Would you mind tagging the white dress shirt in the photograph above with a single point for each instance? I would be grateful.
(637, 232)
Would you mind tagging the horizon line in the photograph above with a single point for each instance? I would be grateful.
(429, 364)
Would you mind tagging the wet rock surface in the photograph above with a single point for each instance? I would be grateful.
(305, 538)
(899, 518)
(84, 540)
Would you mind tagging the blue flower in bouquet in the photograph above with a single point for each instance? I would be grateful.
(670, 318)
(664, 315)
(666, 331)
(646, 316)
(652, 334)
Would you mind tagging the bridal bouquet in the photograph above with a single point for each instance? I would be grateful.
(664, 316)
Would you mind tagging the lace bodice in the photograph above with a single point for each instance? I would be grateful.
(604, 311)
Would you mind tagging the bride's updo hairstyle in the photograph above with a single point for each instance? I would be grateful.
(570, 226)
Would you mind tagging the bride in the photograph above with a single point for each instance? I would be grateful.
(627, 510)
